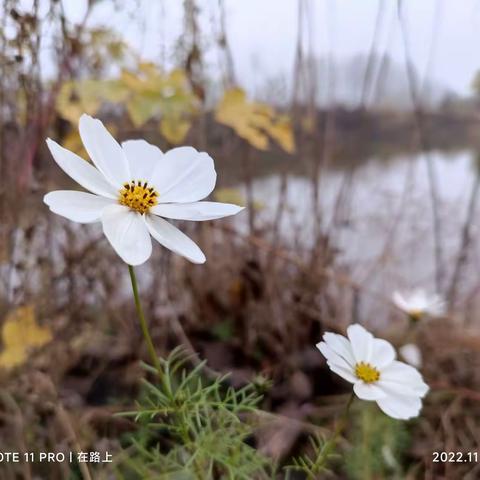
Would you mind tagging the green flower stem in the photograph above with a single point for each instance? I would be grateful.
(143, 323)
(414, 319)
(342, 422)
(329, 445)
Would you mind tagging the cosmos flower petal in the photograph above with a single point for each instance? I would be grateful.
(184, 175)
(81, 171)
(399, 301)
(437, 307)
(105, 152)
(79, 207)
(399, 371)
(346, 374)
(368, 391)
(340, 345)
(411, 354)
(399, 407)
(173, 239)
(413, 389)
(142, 158)
(402, 375)
(361, 342)
(127, 233)
(382, 353)
(333, 357)
(419, 296)
(197, 211)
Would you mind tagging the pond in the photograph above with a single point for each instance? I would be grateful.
(379, 216)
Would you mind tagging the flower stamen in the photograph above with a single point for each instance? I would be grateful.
(366, 372)
(415, 315)
(138, 196)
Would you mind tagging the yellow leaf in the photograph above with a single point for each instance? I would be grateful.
(147, 93)
(86, 96)
(76, 98)
(174, 130)
(114, 91)
(154, 94)
(253, 136)
(130, 80)
(140, 109)
(178, 78)
(20, 334)
(149, 69)
(234, 195)
(282, 132)
(254, 121)
(229, 195)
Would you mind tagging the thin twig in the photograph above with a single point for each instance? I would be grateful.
(424, 143)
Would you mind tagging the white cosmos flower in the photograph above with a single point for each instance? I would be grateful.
(134, 186)
(417, 303)
(411, 354)
(369, 363)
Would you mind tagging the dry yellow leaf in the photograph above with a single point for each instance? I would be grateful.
(229, 195)
(131, 80)
(148, 68)
(154, 94)
(140, 109)
(86, 96)
(20, 334)
(254, 121)
(234, 195)
(282, 132)
(234, 111)
(113, 91)
(76, 98)
(146, 93)
(174, 130)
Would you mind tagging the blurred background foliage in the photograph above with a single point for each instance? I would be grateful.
(345, 201)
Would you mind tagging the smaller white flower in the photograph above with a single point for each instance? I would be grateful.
(369, 363)
(411, 354)
(417, 303)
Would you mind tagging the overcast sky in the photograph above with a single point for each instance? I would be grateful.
(262, 33)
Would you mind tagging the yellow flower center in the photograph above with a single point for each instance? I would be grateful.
(415, 315)
(367, 373)
(138, 196)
